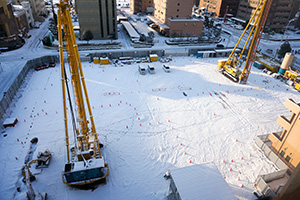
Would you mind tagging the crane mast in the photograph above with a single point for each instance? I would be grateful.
(85, 163)
(231, 66)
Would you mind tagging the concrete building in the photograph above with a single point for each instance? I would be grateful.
(287, 143)
(38, 8)
(20, 15)
(8, 24)
(98, 16)
(283, 150)
(27, 7)
(143, 6)
(173, 18)
(280, 14)
(219, 6)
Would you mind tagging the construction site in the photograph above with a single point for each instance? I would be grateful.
(206, 126)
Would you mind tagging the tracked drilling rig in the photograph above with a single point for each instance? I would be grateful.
(85, 163)
(232, 66)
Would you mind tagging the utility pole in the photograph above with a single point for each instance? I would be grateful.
(226, 14)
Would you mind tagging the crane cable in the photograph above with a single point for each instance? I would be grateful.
(71, 107)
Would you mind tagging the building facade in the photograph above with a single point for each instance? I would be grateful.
(287, 143)
(22, 22)
(38, 8)
(142, 6)
(98, 16)
(8, 24)
(280, 13)
(174, 18)
(27, 7)
(219, 7)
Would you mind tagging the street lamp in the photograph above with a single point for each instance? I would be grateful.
(284, 35)
(292, 20)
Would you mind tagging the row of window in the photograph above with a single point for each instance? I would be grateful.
(287, 158)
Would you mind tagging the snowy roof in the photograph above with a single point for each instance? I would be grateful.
(223, 50)
(207, 51)
(132, 33)
(184, 19)
(93, 163)
(202, 181)
(239, 20)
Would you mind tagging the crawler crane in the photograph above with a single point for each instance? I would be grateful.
(85, 163)
(231, 67)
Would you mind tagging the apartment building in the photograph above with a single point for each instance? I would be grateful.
(38, 8)
(219, 7)
(8, 24)
(142, 6)
(29, 15)
(286, 144)
(280, 13)
(174, 18)
(98, 16)
(20, 15)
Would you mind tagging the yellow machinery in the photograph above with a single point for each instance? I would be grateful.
(85, 163)
(231, 67)
(43, 160)
(297, 84)
(290, 75)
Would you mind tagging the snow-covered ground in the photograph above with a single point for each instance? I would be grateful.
(148, 126)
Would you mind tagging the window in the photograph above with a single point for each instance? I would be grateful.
(178, 4)
(288, 158)
(177, 10)
(177, 16)
(282, 153)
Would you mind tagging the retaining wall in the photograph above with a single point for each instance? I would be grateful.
(13, 89)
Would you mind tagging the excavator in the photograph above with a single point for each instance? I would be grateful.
(85, 164)
(232, 66)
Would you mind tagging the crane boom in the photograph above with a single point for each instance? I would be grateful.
(231, 67)
(85, 163)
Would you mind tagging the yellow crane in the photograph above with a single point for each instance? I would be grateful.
(231, 66)
(85, 163)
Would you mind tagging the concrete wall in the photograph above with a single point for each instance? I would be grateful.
(261, 142)
(11, 92)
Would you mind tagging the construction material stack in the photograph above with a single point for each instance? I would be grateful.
(85, 163)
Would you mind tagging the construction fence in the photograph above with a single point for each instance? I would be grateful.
(9, 95)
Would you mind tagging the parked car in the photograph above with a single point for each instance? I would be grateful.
(151, 69)
(142, 70)
(166, 68)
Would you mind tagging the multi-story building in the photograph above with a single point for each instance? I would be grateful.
(219, 7)
(27, 7)
(38, 8)
(20, 15)
(143, 6)
(287, 143)
(98, 16)
(8, 24)
(174, 18)
(280, 13)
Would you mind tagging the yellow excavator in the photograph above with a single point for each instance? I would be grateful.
(85, 164)
(231, 66)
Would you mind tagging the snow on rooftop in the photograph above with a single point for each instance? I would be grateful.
(202, 181)
(131, 31)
